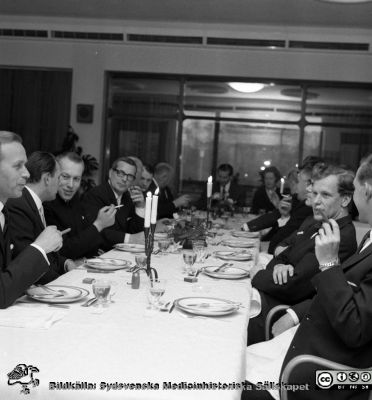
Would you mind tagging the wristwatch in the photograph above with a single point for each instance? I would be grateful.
(330, 264)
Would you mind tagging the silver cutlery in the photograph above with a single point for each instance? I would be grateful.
(89, 302)
(172, 307)
(221, 267)
(165, 307)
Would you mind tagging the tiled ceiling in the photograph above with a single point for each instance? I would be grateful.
(268, 12)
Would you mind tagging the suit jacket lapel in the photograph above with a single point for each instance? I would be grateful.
(357, 257)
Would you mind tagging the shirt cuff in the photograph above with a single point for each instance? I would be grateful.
(41, 251)
(282, 221)
(140, 211)
(245, 227)
(293, 316)
(127, 237)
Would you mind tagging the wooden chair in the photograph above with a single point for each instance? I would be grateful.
(303, 358)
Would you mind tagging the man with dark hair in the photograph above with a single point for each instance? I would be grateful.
(66, 212)
(287, 277)
(118, 191)
(27, 218)
(224, 189)
(147, 179)
(337, 324)
(167, 204)
(291, 212)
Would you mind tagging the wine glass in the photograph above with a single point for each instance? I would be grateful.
(155, 291)
(141, 260)
(101, 289)
(163, 246)
(189, 258)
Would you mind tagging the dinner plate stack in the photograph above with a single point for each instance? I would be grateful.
(206, 306)
(238, 255)
(56, 294)
(225, 272)
(107, 264)
(131, 248)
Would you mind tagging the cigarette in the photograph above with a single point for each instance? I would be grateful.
(65, 231)
(121, 205)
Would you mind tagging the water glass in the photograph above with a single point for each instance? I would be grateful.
(163, 245)
(199, 248)
(155, 291)
(141, 260)
(101, 289)
(189, 258)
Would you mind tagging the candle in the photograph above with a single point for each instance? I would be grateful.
(209, 187)
(154, 206)
(281, 185)
(148, 209)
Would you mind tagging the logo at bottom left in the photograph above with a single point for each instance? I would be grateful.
(23, 375)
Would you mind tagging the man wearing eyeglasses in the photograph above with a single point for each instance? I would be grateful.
(66, 212)
(118, 191)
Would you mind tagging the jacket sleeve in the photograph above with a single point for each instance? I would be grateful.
(27, 268)
(348, 309)
(264, 221)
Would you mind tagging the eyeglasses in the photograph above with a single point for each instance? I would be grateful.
(122, 174)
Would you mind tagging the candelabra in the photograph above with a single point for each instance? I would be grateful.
(209, 203)
(149, 247)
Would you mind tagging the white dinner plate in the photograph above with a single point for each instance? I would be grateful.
(226, 272)
(243, 234)
(69, 294)
(247, 243)
(131, 248)
(107, 264)
(160, 235)
(234, 255)
(206, 306)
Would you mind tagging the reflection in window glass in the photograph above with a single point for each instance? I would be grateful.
(218, 99)
(339, 105)
(340, 145)
(247, 146)
(197, 150)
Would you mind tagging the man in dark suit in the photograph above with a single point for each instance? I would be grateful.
(31, 264)
(27, 219)
(66, 212)
(167, 204)
(224, 189)
(338, 322)
(118, 191)
(287, 277)
(290, 214)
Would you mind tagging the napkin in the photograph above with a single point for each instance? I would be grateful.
(255, 307)
(264, 360)
(36, 316)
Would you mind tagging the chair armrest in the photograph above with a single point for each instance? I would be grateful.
(270, 315)
(307, 358)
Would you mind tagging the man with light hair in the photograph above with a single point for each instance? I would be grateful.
(31, 264)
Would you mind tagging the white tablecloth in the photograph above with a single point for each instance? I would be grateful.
(128, 344)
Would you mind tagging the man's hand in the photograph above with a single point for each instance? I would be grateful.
(279, 249)
(50, 239)
(70, 264)
(217, 196)
(282, 324)
(281, 272)
(105, 217)
(137, 197)
(327, 242)
(182, 201)
(285, 206)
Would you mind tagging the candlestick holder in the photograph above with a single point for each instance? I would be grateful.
(149, 247)
(209, 203)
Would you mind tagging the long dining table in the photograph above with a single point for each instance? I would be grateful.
(127, 351)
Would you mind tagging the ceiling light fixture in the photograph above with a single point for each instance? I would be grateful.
(246, 87)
